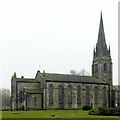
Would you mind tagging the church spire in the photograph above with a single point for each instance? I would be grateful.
(101, 34)
(101, 47)
(101, 22)
(102, 62)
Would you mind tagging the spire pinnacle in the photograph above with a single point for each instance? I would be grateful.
(109, 51)
(101, 46)
(101, 20)
(101, 34)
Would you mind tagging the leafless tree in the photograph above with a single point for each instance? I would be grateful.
(81, 73)
(73, 72)
(5, 95)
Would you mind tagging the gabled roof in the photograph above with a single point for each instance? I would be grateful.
(72, 78)
(27, 80)
(53, 77)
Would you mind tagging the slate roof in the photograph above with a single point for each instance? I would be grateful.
(53, 77)
(28, 80)
(72, 78)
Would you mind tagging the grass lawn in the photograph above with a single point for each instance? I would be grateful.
(50, 113)
(0, 115)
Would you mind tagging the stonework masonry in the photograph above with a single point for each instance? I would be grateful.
(65, 91)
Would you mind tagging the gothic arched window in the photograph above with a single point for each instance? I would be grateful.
(87, 95)
(96, 93)
(60, 94)
(105, 67)
(51, 94)
(78, 95)
(20, 96)
(69, 95)
(104, 97)
(96, 68)
(35, 101)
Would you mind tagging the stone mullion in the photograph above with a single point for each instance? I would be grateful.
(74, 98)
(44, 102)
(83, 96)
(44, 97)
(93, 96)
(55, 97)
(65, 97)
(47, 96)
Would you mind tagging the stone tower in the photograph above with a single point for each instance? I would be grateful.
(102, 63)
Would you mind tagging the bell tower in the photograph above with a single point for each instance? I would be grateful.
(102, 62)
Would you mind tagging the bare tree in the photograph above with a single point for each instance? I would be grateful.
(5, 98)
(81, 73)
(73, 72)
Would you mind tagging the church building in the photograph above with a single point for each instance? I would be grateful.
(65, 91)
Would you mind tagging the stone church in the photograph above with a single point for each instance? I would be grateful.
(65, 91)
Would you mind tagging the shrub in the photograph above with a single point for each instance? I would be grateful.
(8, 109)
(86, 107)
(105, 111)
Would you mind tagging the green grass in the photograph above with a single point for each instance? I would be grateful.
(0, 114)
(49, 113)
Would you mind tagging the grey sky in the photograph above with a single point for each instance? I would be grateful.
(58, 35)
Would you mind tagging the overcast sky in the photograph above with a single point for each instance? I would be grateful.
(57, 35)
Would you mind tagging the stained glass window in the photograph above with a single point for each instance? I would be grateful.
(51, 94)
(87, 95)
(104, 97)
(60, 94)
(69, 95)
(96, 93)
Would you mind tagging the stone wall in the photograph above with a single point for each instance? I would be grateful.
(22, 85)
(74, 95)
(34, 101)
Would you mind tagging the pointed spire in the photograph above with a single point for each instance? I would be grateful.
(101, 34)
(101, 20)
(109, 51)
(101, 47)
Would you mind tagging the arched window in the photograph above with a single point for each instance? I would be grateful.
(21, 96)
(60, 94)
(51, 94)
(78, 95)
(87, 95)
(104, 97)
(96, 93)
(96, 68)
(105, 67)
(35, 101)
(69, 95)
